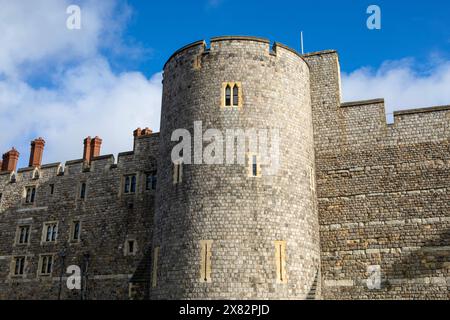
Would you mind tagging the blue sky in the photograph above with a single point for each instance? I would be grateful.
(105, 79)
(409, 28)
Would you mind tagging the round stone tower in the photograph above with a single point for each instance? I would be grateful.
(236, 231)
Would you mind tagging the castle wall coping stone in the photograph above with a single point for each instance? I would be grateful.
(316, 53)
(127, 153)
(421, 110)
(362, 103)
(244, 38)
(51, 165)
(74, 162)
(278, 44)
(107, 156)
(147, 136)
(186, 47)
(25, 169)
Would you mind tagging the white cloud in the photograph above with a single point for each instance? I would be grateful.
(85, 96)
(401, 83)
(36, 32)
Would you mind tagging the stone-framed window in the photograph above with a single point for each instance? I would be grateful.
(51, 188)
(228, 96)
(178, 172)
(150, 181)
(18, 264)
(129, 184)
(75, 231)
(231, 95)
(280, 262)
(82, 192)
(155, 267)
(130, 247)
(45, 265)
(23, 233)
(13, 177)
(30, 194)
(50, 232)
(205, 260)
(253, 165)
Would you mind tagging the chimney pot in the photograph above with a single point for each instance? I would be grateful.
(96, 145)
(91, 148)
(146, 132)
(37, 150)
(10, 160)
(87, 150)
(137, 132)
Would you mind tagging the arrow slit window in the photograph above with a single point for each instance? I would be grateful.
(205, 258)
(280, 261)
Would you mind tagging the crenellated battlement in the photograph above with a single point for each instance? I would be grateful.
(421, 124)
(352, 193)
(229, 45)
(142, 138)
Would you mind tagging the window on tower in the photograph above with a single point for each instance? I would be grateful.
(254, 165)
(50, 232)
(280, 261)
(177, 172)
(18, 266)
(75, 231)
(205, 260)
(235, 95)
(30, 194)
(45, 266)
(232, 94)
(23, 235)
(150, 181)
(83, 191)
(228, 96)
(129, 184)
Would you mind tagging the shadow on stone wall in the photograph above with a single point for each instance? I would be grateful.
(142, 276)
(432, 259)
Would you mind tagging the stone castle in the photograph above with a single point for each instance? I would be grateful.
(359, 209)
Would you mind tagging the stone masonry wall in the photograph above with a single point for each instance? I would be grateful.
(383, 193)
(108, 218)
(243, 216)
(356, 200)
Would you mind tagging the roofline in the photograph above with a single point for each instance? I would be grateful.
(245, 38)
(188, 46)
(242, 38)
(361, 103)
(422, 110)
(315, 53)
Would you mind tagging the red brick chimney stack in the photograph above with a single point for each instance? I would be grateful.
(87, 150)
(92, 148)
(96, 145)
(37, 150)
(10, 160)
(142, 132)
(137, 132)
